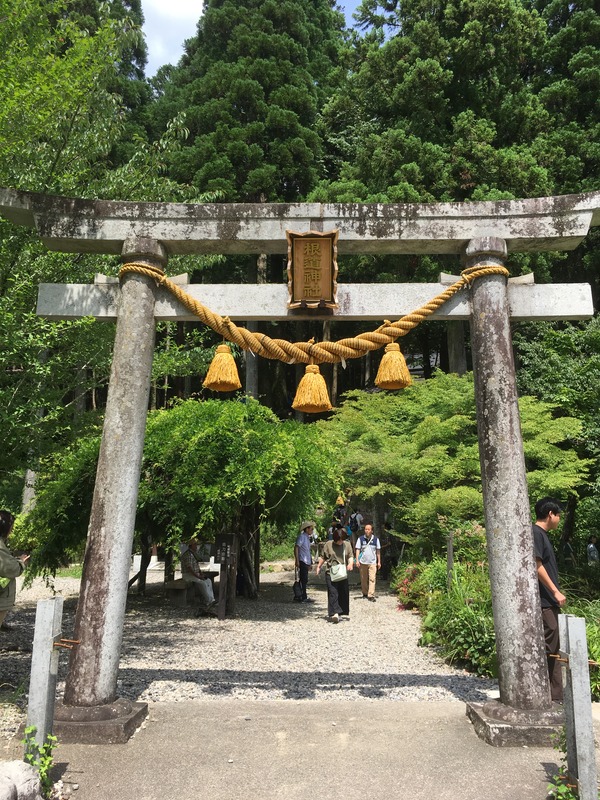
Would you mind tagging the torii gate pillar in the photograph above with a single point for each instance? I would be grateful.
(522, 670)
(92, 678)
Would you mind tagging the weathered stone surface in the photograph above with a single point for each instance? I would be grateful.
(101, 226)
(502, 726)
(8, 790)
(44, 667)
(19, 781)
(112, 723)
(522, 671)
(94, 661)
(357, 301)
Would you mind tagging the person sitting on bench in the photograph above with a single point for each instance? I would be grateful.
(191, 573)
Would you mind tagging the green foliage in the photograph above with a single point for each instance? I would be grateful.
(40, 757)
(468, 541)
(252, 81)
(465, 101)
(416, 583)
(460, 623)
(72, 571)
(60, 119)
(206, 463)
(208, 467)
(560, 364)
(57, 117)
(54, 530)
(403, 581)
(560, 785)
(417, 453)
(277, 541)
(454, 101)
(457, 619)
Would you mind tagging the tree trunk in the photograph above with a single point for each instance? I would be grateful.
(169, 566)
(140, 577)
(457, 354)
(28, 498)
(246, 567)
(249, 552)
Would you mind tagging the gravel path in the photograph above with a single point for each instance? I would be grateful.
(273, 649)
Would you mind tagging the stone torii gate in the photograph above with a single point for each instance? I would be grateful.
(481, 233)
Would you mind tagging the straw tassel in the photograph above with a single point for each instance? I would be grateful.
(222, 375)
(311, 394)
(393, 372)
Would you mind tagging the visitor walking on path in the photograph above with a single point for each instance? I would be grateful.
(368, 558)
(10, 568)
(547, 513)
(303, 557)
(337, 556)
(593, 556)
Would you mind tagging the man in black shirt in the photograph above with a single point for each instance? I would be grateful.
(547, 512)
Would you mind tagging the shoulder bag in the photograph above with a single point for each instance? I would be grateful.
(338, 572)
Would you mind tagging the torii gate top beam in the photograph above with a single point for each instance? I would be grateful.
(101, 226)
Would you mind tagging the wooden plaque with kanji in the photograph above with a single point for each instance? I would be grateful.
(312, 269)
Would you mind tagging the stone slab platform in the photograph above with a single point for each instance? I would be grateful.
(539, 732)
(229, 749)
(99, 725)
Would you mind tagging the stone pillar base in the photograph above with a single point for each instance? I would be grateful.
(503, 726)
(113, 723)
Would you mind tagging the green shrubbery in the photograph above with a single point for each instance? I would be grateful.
(457, 619)
(208, 466)
(457, 610)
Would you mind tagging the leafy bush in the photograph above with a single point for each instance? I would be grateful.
(207, 467)
(277, 541)
(416, 453)
(582, 582)
(469, 543)
(404, 582)
(460, 621)
(457, 620)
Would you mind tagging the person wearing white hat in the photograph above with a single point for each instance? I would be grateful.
(303, 557)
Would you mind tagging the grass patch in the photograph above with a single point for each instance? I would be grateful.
(72, 571)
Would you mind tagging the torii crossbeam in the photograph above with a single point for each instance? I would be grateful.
(481, 233)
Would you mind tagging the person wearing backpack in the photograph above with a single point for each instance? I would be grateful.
(354, 526)
(368, 558)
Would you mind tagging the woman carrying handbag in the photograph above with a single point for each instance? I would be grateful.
(338, 560)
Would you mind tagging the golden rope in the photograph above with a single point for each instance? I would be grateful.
(311, 352)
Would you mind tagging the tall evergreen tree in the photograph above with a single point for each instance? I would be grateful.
(129, 82)
(468, 100)
(60, 118)
(252, 82)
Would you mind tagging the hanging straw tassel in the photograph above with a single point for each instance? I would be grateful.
(311, 394)
(222, 375)
(393, 372)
